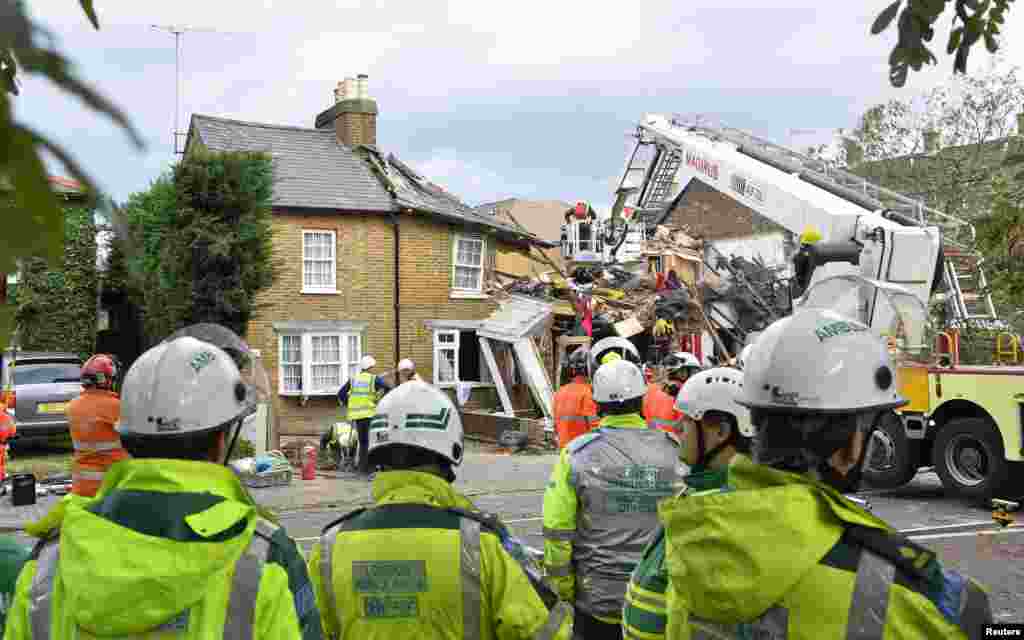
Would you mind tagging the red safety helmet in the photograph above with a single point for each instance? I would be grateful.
(100, 371)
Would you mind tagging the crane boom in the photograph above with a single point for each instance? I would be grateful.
(878, 233)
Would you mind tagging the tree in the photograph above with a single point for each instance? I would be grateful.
(1001, 239)
(37, 230)
(943, 146)
(974, 20)
(198, 242)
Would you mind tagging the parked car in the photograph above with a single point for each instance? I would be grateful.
(38, 387)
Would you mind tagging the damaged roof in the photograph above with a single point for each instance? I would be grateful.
(312, 170)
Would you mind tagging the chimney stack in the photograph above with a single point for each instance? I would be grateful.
(354, 113)
(931, 141)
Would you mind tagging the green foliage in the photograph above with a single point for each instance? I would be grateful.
(56, 309)
(974, 21)
(198, 242)
(36, 228)
(1001, 239)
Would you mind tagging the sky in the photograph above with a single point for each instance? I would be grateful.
(491, 100)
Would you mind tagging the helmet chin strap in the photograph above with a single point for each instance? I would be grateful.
(236, 428)
(704, 457)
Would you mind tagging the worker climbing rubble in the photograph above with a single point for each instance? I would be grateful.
(600, 504)
(407, 566)
(92, 417)
(792, 556)
(660, 402)
(172, 545)
(573, 405)
(716, 432)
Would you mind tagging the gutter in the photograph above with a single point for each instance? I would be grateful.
(396, 236)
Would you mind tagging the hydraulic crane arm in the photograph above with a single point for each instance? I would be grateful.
(865, 230)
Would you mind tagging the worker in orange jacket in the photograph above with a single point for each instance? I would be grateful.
(659, 406)
(574, 407)
(7, 432)
(92, 416)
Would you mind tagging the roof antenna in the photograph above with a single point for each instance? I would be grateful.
(178, 31)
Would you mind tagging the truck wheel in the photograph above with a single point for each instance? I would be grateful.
(894, 458)
(969, 458)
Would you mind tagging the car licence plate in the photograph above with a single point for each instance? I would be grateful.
(52, 407)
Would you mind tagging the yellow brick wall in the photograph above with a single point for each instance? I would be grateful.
(365, 293)
(425, 268)
(365, 283)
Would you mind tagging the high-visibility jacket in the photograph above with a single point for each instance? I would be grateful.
(362, 396)
(412, 566)
(660, 410)
(92, 417)
(600, 510)
(575, 410)
(13, 555)
(166, 549)
(644, 615)
(794, 559)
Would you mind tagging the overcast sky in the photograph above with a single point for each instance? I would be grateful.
(523, 99)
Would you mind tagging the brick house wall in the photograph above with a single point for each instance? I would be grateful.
(709, 214)
(365, 284)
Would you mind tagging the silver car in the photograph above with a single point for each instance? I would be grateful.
(43, 384)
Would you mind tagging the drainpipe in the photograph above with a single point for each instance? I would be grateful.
(398, 289)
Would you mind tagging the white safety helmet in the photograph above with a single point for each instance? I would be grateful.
(405, 365)
(818, 361)
(618, 381)
(741, 360)
(180, 387)
(715, 390)
(416, 414)
(613, 344)
(366, 363)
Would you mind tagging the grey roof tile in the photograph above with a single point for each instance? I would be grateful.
(311, 169)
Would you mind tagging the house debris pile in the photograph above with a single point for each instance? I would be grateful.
(759, 294)
(617, 299)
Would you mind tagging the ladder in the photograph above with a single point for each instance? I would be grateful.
(967, 297)
(664, 175)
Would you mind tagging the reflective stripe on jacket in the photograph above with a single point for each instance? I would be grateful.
(92, 417)
(362, 402)
(411, 568)
(575, 411)
(794, 559)
(167, 549)
(600, 510)
(660, 410)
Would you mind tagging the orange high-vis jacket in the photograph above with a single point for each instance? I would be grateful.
(575, 410)
(97, 445)
(660, 410)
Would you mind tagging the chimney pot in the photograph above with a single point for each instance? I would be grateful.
(362, 82)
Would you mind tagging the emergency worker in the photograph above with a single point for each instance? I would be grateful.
(787, 555)
(600, 504)
(660, 402)
(613, 348)
(574, 408)
(92, 416)
(13, 555)
(407, 371)
(172, 545)
(716, 435)
(360, 396)
(422, 562)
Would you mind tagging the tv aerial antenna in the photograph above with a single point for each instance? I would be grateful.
(177, 31)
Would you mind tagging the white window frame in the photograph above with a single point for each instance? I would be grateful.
(456, 331)
(463, 292)
(332, 288)
(349, 359)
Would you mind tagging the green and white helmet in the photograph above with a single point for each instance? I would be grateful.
(819, 361)
(417, 414)
(181, 387)
(716, 389)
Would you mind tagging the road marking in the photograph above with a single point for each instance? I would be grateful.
(963, 534)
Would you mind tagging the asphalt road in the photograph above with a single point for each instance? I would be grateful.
(963, 536)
